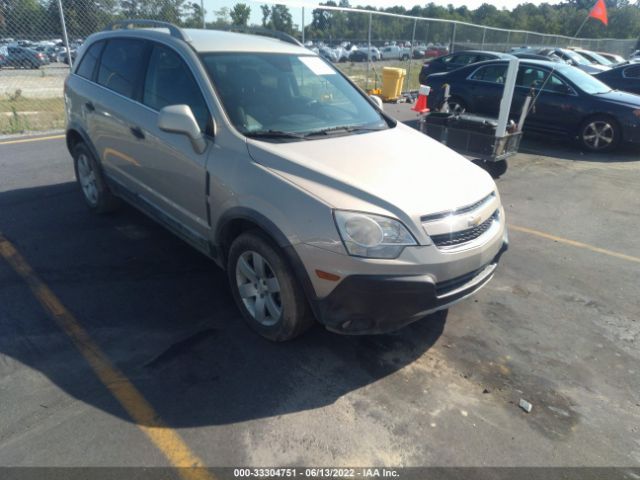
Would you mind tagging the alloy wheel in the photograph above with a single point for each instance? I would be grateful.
(598, 135)
(259, 288)
(87, 178)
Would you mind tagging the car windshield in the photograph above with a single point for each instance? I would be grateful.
(599, 58)
(576, 57)
(584, 81)
(288, 96)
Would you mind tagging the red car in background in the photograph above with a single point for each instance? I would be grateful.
(434, 52)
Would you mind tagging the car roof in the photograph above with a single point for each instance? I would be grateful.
(484, 52)
(525, 61)
(213, 40)
(221, 41)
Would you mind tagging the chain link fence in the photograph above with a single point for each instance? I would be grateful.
(38, 38)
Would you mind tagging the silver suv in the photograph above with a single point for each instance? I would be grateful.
(272, 163)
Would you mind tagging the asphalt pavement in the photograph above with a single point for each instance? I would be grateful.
(558, 326)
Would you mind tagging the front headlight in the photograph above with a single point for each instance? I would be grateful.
(372, 236)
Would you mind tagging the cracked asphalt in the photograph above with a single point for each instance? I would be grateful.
(559, 326)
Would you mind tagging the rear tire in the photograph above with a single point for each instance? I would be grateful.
(265, 289)
(92, 183)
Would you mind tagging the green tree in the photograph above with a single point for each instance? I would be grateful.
(194, 15)
(240, 14)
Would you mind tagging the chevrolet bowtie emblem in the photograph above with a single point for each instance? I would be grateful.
(473, 220)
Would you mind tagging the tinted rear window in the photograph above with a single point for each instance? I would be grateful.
(89, 60)
(632, 72)
(121, 64)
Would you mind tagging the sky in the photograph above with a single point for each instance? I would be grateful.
(296, 5)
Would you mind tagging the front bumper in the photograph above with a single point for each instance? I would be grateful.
(631, 131)
(370, 304)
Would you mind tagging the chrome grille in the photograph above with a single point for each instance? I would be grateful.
(458, 211)
(463, 236)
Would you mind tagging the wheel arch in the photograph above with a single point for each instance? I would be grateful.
(76, 134)
(241, 219)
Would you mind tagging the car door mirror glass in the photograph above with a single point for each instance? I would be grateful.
(180, 119)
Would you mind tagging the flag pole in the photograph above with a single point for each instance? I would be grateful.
(581, 26)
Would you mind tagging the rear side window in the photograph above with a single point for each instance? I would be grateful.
(464, 59)
(89, 61)
(121, 64)
(170, 82)
(632, 72)
(491, 73)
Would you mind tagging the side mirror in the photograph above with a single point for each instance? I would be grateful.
(180, 119)
(378, 101)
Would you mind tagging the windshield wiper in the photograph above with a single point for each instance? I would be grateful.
(346, 129)
(274, 134)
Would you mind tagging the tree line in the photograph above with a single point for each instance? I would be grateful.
(40, 18)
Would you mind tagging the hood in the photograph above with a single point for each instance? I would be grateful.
(627, 99)
(398, 171)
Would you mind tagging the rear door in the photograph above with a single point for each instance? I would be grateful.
(556, 109)
(486, 85)
(112, 106)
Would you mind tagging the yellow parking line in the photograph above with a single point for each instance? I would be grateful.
(36, 139)
(574, 243)
(167, 440)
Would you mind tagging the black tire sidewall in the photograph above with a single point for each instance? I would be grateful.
(461, 103)
(296, 317)
(106, 201)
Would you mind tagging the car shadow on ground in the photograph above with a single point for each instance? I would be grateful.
(163, 314)
(566, 149)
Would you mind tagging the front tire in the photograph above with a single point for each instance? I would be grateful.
(457, 105)
(94, 188)
(599, 134)
(265, 289)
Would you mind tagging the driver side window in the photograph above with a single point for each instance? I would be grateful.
(170, 82)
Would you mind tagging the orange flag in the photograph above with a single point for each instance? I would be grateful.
(599, 12)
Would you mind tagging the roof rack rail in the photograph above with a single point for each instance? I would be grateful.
(265, 32)
(174, 31)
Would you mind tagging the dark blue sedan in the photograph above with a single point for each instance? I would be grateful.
(570, 102)
(457, 60)
(625, 77)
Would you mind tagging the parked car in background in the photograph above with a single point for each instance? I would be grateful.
(635, 56)
(536, 56)
(22, 57)
(363, 53)
(457, 60)
(328, 53)
(613, 58)
(435, 51)
(317, 204)
(573, 58)
(570, 101)
(624, 77)
(395, 52)
(594, 58)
